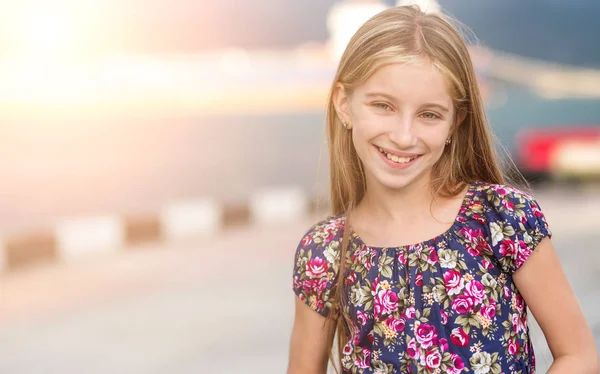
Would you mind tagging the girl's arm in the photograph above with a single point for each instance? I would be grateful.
(312, 337)
(542, 283)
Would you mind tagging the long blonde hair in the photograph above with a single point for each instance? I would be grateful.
(392, 36)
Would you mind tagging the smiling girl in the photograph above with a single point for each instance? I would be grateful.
(430, 260)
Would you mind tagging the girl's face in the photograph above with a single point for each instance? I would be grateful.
(400, 119)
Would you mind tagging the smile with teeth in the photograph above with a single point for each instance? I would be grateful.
(394, 158)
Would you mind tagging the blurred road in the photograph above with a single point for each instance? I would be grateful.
(220, 306)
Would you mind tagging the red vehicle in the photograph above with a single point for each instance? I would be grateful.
(561, 152)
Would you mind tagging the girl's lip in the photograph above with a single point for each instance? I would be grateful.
(397, 165)
(398, 154)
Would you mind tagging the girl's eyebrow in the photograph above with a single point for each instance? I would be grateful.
(440, 107)
(382, 94)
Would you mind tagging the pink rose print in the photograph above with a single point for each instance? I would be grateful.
(518, 324)
(385, 302)
(462, 304)
(426, 335)
(500, 190)
(523, 254)
(412, 350)
(370, 337)
(506, 292)
(363, 359)
(519, 303)
(468, 233)
(454, 282)
(459, 337)
(354, 332)
(403, 258)
(410, 312)
(320, 304)
(486, 264)
(508, 205)
(306, 240)
(474, 251)
(458, 364)
(417, 249)
(396, 324)
(536, 210)
(374, 286)
(361, 317)
(316, 268)
(477, 240)
(433, 257)
(513, 347)
(444, 344)
(515, 322)
(350, 279)
(419, 279)
(508, 248)
(488, 311)
(314, 286)
(364, 256)
(371, 261)
(479, 218)
(329, 233)
(476, 290)
(347, 349)
(479, 246)
(444, 316)
(433, 359)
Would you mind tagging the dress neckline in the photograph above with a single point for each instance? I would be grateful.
(458, 220)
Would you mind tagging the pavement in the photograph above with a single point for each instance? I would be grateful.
(222, 305)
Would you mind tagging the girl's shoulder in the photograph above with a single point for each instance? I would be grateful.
(504, 203)
(497, 196)
(324, 231)
(316, 264)
(511, 219)
(494, 190)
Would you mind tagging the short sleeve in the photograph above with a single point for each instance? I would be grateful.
(517, 225)
(316, 264)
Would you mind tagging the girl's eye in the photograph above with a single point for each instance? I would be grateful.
(430, 115)
(383, 106)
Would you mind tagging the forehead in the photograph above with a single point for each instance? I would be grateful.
(417, 80)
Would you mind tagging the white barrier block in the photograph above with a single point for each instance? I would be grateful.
(81, 236)
(192, 218)
(277, 205)
(576, 159)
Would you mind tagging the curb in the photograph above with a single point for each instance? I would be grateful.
(77, 237)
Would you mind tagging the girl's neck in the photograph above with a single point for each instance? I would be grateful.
(397, 205)
(389, 218)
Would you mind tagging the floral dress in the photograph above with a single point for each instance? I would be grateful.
(445, 305)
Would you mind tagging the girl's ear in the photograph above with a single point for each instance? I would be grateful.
(341, 103)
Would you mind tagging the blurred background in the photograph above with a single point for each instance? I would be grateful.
(123, 106)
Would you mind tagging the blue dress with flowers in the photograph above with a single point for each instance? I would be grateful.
(445, 305)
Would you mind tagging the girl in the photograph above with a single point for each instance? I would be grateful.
(429, 262)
